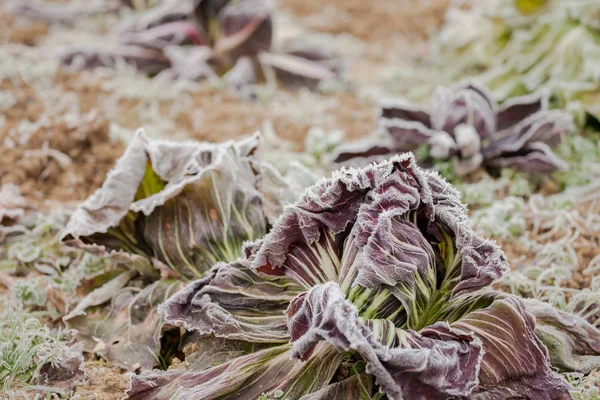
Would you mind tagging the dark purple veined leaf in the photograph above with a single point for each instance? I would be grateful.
(517, 109)
(401, 110)
(296, 72)
(515, 363)
(237, 302)
(407, 135)
(466, 125)
(363, 152)
(241, 28)
(528, 146)
(404, 363)
(181, 206)
(535, 158)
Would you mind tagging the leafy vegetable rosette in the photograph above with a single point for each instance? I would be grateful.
(165, 215)
(466, 127)
(371, 285)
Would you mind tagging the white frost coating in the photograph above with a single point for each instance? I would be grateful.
(554, 47)
(170, 160)
(561, 122)
(467, 125)
(467, 140)
(367, 146)
(27, 63)
(319, 142)
(403, 104)
(542, 96)
(181, 164)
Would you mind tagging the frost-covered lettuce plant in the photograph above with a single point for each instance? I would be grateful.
(372, 281)
(465, 125)
(181, 207)
(197, 39)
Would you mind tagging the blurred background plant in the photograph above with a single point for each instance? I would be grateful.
(516, 47)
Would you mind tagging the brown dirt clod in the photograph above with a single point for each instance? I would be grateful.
(102, 382)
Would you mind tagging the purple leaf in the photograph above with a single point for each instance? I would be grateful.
(236, 303)
(516, 109)
(515, 362)
(543, 127)
(363, 152)
(245, 28)
(296, 72)
(536, 158)
(146, 60)
(401, 110)
(407, 135)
